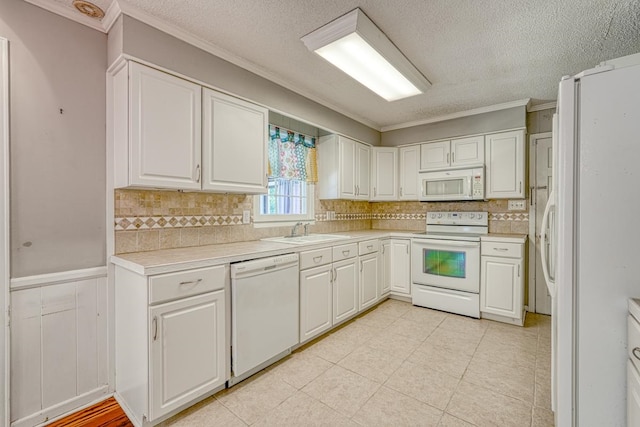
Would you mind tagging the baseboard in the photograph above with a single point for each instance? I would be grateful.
(61, 410)
(400, 297)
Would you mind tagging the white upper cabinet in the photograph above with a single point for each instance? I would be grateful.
(235, 136)
(343, 168)
(435, 155)
(467, 151)
(161, 137)
(505, 165)
(384, 173)
(449, 154)
(408, 172)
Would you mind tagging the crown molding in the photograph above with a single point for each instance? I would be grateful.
(540, 107)
(110, 16)
(473, 112)
(59, 9)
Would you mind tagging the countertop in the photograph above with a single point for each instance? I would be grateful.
(171, 260)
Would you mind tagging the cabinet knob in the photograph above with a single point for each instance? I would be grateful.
(636, 352)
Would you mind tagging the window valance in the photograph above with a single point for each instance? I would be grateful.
(292, 155)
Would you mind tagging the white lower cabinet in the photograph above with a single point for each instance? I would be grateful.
(369, 264)
(345, 290)
(187, 349)
(315, 301)
(171, 340)
(502, 281)
(328, 290)
(396, 267)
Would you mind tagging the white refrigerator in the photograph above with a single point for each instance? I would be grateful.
(593, 220)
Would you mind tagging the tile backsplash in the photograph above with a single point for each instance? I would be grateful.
(150, 219)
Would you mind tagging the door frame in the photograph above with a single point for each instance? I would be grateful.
(5, 264)
(533, 138)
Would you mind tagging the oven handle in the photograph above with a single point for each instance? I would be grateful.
(427, 242)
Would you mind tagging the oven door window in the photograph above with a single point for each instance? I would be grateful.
(444, 263)
(445, 187)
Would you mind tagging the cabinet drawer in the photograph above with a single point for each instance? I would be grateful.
(511, 250)
(315, 258)
(633, 340)
(368, 246)
(345, 251)
(182, 284)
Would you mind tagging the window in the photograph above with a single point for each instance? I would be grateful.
(292, 172)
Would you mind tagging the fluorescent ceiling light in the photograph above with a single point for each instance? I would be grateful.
(354, 44)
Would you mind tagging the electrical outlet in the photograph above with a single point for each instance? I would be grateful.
(246, 217)
(516, 205)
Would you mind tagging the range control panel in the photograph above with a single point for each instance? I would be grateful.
(458, 218)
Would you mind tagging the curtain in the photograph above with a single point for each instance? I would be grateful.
(292, 155)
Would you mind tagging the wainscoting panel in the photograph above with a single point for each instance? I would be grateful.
(58, 345)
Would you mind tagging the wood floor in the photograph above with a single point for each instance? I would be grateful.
(103, 414)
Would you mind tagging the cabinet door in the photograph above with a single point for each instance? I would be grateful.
(400, 266)
(501, 286)
(363, 171)
(164, 130)
(435, 155)
(369, 277)
(345, 290)
(187, 351)
(633, 395)
(387, 267)
(384, 173)
(235, 144)
(505, 165)
(409, 165)
(467, 151)
(315, 302)
(347, 160)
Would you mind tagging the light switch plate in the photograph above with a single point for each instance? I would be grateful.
(246, 217)
(516, 205)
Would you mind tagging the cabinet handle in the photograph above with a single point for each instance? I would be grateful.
(369, 247)
(375, 192)
(518, 270)
(520, 191)
(453, 158)
(383, 249)
(500, 249)
(361, 266)
(198, 173)
(407, 249)
(400, 191)
(155, 328)
(636, 352)
(317, 259)
(346, 252)
(191, 282)
(334, 274)
(447, 157)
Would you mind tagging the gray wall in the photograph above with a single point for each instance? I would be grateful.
(511, 118)
(147, 43)
(57, 160)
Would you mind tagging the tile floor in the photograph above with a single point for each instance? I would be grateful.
(398, 365)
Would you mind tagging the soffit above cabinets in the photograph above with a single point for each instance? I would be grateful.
(476, 54)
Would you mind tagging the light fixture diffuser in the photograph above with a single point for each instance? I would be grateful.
(355, 45)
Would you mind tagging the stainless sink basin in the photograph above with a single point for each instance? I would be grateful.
(311, 238)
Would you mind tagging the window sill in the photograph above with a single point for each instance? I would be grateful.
(271, 224)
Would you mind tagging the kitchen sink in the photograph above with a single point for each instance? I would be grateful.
(311, 238)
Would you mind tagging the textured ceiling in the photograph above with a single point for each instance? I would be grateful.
(475, 52)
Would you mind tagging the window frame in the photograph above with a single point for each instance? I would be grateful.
(260, 220)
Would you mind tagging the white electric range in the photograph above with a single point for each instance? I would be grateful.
(445, 262)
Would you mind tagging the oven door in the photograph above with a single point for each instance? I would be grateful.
(446, 264)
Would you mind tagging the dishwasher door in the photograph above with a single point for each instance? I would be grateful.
(264, 312)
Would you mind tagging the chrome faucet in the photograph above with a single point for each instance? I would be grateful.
(294, 230)
(306, 228)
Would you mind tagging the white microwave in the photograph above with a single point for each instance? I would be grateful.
(459, 184)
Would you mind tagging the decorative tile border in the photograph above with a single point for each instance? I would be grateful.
(399, 216)
(505, 216)
(157, 222)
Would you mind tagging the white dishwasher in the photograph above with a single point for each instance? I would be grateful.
(264, 313)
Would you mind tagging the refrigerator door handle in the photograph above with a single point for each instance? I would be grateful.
(551, 285)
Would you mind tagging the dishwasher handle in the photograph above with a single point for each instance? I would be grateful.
(264, 265)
